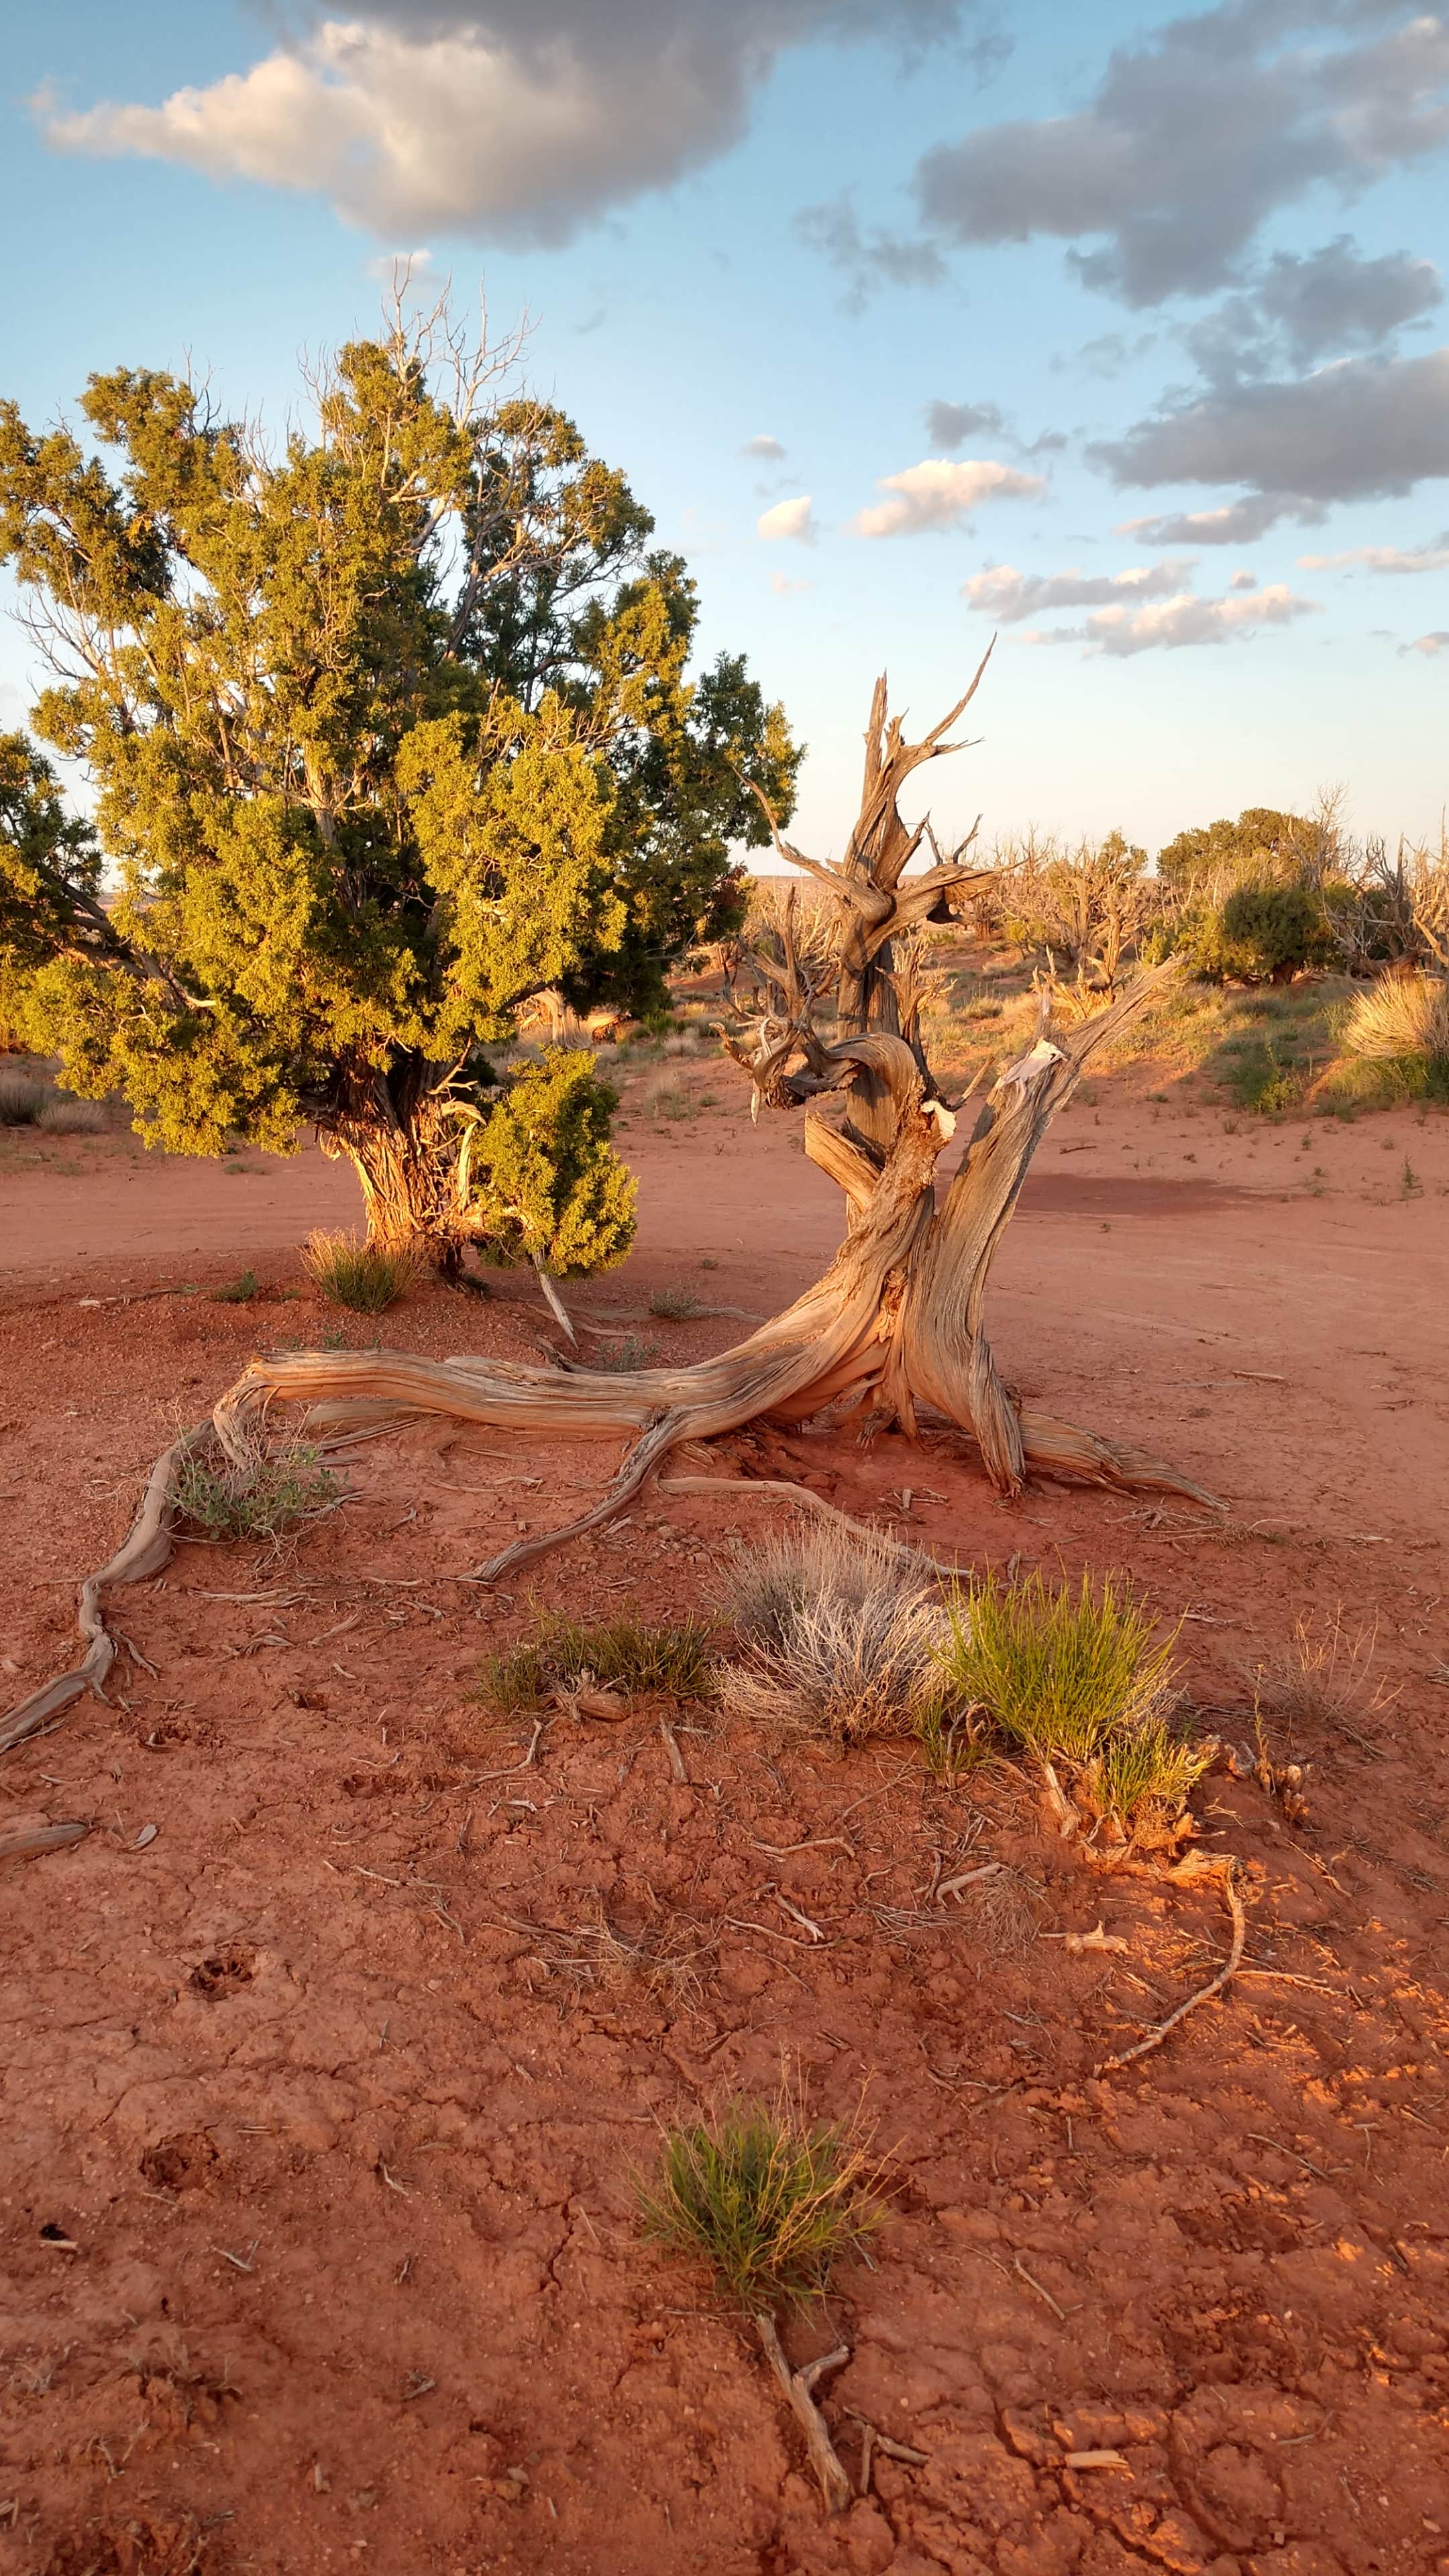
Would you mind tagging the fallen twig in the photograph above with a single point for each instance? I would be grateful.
(797, 2385)
(676, 1758)
(1204, 1994)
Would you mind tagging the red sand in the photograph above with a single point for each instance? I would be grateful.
(318, 2182)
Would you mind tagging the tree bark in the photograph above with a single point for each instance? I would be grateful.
(409, 1175)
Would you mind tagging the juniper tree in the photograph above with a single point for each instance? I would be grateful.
(388, 730)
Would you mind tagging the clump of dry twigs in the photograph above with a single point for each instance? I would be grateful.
(1322, 1678)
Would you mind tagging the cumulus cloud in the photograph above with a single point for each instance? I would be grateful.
(1007, 595)
(788, 519)
(1354, 431)
(1429, 645)
(1432, 556)
(938, 494)
(1195, 136)
(516, 120)
(767, 448)
(1170, 624)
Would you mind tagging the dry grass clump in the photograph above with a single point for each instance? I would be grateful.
(1322, 1677)
(668, 1100)
(841, 1636)
(1080, 1682)
(21, 1100)
(624, 1654)
(772, 2200)
(365, 1276)
(674, 1305)
(1398, 1017)
(58, 1117)
(276, 1490)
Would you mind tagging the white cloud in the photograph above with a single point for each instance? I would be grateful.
(517, 120)
(1008, 595)
(782, 586)
(400, 267)
(1183, 620)
(787, 519)
(1433, 556)
(938, 494)
(1429, 645)
(765, 447)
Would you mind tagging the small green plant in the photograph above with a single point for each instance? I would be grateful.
(622, 1358)
(1260, 1079)
(1081, 1683)
(1058, 1670)
(237, 1292)
(772, 2200)
(1410, 1184)
(674, 1305)
(365, 1276)
(274, 1491)
(624, 1654)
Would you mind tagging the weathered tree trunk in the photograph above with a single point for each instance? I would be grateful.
(410, 1181)
(893, 1328)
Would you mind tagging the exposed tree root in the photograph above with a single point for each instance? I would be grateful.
(1226, 1874)
(798, 2386)
(144, 1551)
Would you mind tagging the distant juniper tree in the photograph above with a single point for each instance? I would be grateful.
(388, 730)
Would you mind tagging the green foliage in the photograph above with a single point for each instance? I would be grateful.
(625, 1654)
(541, 1170)
(1058, 1670)
(237, 1292)
(1257, 1077)
(1262, 847)
(365, 1276)
(772, 2200)
(1079, 1681)
(389, 728)
(270, 1494)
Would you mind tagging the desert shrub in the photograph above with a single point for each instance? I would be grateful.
(1402, 1021)
(273, 1491)
(1258, 932)
(365, 1276)
(1259, 1078)
(626, 1654)
(673, 1305)
(60, 1117)
(840, 1635)
(1058, 1670)
(1080, 1682)
(772, 2200)
(237, 1292)
(668, 1100)
(21, 1100)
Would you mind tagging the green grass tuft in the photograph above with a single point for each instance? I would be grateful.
(274, 1492)
(364, 1276)
(1058, 1670)
(237, 1292)
(772, 2200)
(674, 1305)
(624, 1654)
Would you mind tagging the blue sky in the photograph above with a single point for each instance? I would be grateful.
(792, 220)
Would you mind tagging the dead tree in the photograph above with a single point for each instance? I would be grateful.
(894, 1331)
